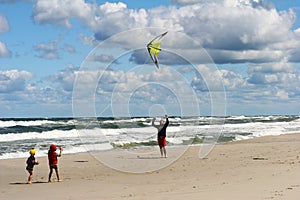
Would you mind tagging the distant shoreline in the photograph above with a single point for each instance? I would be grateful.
(17, 136)
(126, 117)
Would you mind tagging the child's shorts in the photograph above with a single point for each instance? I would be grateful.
(53, 166)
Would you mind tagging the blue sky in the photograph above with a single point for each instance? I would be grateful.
(63, 58)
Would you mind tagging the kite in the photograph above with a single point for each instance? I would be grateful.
(154, 48)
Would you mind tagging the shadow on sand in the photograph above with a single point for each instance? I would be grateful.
(24, 183)
(148, 157)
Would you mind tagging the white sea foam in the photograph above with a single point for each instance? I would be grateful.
(67, 150)
(11, 123)
(14, 155)
(181, 131)
(35, 135)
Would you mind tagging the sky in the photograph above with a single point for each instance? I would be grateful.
(73, 58)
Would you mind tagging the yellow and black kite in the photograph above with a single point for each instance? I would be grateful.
(154, 48)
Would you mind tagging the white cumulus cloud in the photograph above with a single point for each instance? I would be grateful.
(233, 31)
(14, 80)
(4, 27)
(4, 52)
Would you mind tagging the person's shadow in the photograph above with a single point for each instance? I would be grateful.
(24, 183)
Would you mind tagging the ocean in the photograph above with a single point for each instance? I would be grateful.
(19, 135)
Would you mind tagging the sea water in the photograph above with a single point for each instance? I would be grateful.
(19, 135)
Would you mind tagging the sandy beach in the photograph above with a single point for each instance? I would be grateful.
(260, 168)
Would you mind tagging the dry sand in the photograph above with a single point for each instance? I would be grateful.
(261, 168)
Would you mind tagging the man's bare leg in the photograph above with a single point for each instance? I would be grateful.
(165, 151)
(161, 152)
